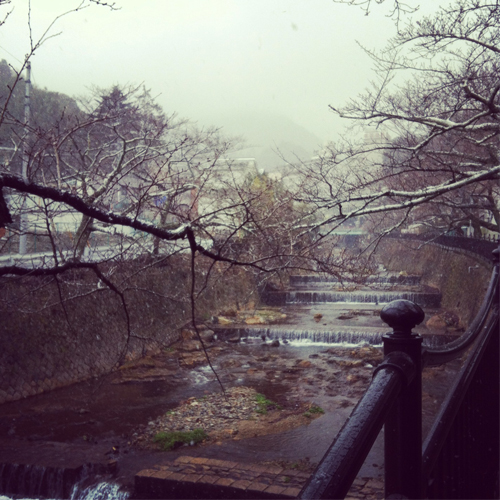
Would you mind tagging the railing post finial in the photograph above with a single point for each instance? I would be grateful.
(403, 427)
(402, 316)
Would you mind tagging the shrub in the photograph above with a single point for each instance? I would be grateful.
(264, 404)
(314, 410)
(170, 440)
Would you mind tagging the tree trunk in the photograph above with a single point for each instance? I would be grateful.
(82, 236)
(156, 243)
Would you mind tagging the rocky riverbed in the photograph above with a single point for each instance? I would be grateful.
(237, 413)
(292, 382)
(114, 420)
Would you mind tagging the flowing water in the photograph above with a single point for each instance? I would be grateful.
(35, 481)
(317, 318)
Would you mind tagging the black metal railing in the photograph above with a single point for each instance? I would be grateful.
(460, 456)
(461, 453)
(477, 246)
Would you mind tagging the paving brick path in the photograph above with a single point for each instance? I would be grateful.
(195, 477)
(366, 489)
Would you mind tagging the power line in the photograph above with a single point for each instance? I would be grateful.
(11, 54)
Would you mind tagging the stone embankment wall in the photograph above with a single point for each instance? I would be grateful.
(462, 277)
(47, 343)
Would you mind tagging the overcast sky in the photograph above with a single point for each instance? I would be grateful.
(209, 59)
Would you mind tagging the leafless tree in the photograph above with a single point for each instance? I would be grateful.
(432, 116)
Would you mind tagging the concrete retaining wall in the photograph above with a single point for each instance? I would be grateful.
(46, 343)
(461, 276)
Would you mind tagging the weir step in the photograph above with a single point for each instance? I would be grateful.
(318, 279)
(34, 481)
(48, 469)
(346, 335)
(281, 298)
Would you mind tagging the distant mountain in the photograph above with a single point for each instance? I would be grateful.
(269, 136)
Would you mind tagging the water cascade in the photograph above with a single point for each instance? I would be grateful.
(92, 486)
(99, 491)
(326, 280)
(375, 290)
(305, 336)
(37, 481)
(339, 336)
(370, 297)
(349, 310)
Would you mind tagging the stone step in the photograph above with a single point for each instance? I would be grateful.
(318, 280)
(281, 298)
(332, 335)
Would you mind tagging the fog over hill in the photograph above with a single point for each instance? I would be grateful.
(266, 137)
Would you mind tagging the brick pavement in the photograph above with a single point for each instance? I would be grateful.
(196, 477)
(364, 488)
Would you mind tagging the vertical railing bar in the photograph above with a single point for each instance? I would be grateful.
(340, 464)
(449, 408)
(468, 418)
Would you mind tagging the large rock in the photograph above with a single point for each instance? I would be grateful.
(304, 363)
(188, 334)
(191, 345)
(444, 320)
(222, 320)
(436, 322)
(350, 363)
(255, 320)
(368, 354)
(207, 335)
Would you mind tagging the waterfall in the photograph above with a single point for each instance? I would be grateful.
(338, 336)
(36, 481)
(335, 336)
(310, 289)
(91, 486)
(33, 481)
(294, 297)
(100, 491)
(423, 299)
(317, 289)
(394, 279)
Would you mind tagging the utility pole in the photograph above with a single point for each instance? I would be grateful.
(24, 172)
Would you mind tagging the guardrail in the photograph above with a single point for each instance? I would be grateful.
(460, 457)
(477, 246)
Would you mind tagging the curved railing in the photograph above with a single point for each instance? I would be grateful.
(478, 246)
(443, 354)
(468, 419)
(457, 449)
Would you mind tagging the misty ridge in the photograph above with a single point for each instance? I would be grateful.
(271, 139)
